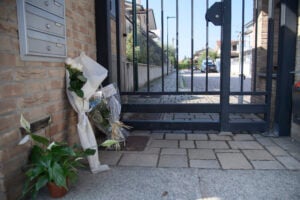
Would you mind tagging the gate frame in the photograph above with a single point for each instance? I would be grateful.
(224, 108)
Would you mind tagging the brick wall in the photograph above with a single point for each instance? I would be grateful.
(36, 89)
(295, 130)
(262, 47)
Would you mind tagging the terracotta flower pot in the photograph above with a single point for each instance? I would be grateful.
(56, 191)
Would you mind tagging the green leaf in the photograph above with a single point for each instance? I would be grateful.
(40, 139)
(58, 176)
(89, 152)
(41, 182)
(109, 143)
(25, 124)
(79, 93)
(82, 78)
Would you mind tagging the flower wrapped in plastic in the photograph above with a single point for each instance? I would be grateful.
(105, 110)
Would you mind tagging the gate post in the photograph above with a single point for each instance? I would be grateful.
(225, 64)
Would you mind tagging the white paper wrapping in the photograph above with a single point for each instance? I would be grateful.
(95, 74)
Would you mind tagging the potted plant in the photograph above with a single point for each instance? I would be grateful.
(51, 163)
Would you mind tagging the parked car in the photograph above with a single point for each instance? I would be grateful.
(210, 65)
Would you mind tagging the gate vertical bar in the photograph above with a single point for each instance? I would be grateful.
(267, 117)
(242, 46)
(162, 47)
(148, 67)
(255, 46)
(192, 45)
(118, 41)
(177, 16)
(206, 51)
(134, 37)
(225, 65)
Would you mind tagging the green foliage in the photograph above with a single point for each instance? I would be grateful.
(141, 49)
(77, 80)
(212, 55)
(52, 162)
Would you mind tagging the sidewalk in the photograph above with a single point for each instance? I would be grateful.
(210, 151)
(194, 166)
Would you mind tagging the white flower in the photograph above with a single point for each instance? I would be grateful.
(69, 61)
(76, 65)
(25, 124)
(25, 140)
(51, 145)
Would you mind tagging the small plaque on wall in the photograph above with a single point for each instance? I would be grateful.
(42, 30)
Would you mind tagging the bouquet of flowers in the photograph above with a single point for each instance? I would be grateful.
(105, 113)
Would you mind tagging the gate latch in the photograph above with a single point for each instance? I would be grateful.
(214, 14)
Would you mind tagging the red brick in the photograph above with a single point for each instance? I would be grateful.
(56, 84)
(8, 60)
(12, 89)
(7, 122)
(9, 139)
(30, 73)
(33, 100)
(6, 75)
(57, 73)
(7, 105)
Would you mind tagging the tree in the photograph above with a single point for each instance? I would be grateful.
(212, 55)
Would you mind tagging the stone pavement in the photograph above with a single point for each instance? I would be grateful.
(209, 150)
(195, 166)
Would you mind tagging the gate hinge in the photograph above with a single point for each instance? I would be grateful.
(214, 14)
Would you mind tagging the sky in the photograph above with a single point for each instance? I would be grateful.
(184, 21)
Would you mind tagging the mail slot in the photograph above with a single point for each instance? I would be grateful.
(296, 102)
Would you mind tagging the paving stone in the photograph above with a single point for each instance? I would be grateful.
(150, 150)
(197, 136)
(158, 136)
(245, 145)
(227, 151)
(241, 137)
(175, 136)
(186, 144)
(296, 155)
(258, 155)
(140, 160)
(140, 132)
(109, 157)
(225, 133)
(289, 162)
(164, 143)
(265, 141)
(173, 161)
(201, 154)
(276, 151)
(169, 151)
(219, 137)
(267, 164)
(211, 145)
(233, 161)
(205, 164)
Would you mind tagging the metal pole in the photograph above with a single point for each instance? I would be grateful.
(192, 46)
(177, 27)
(206, 52)
(255, 48)
(148, 67)
(168, 17)
(168, 45)
(162, 47)
(225, 65)
(134, 37)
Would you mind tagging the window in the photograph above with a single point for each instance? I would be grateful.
(234, 47)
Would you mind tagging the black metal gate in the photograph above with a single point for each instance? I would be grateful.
(195, 105)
